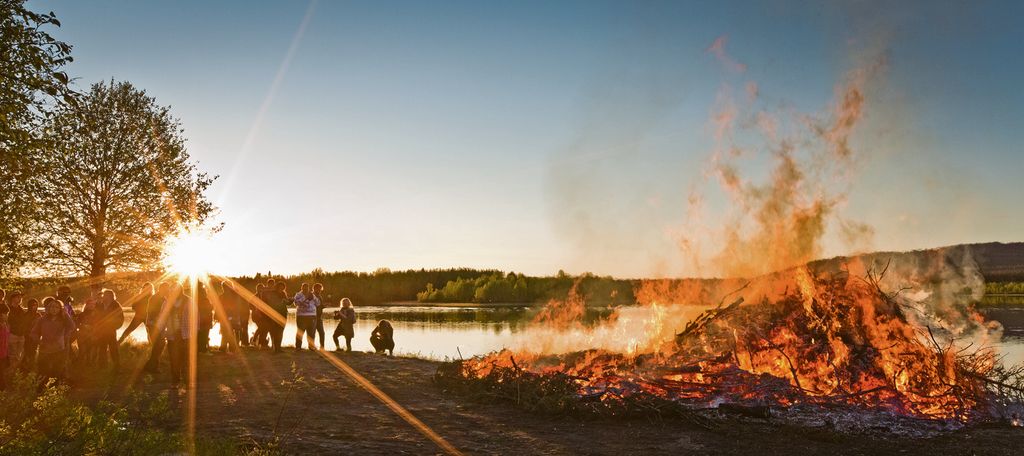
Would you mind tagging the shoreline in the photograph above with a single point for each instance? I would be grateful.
(472, 305)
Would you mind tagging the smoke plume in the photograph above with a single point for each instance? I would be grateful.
(780, 220)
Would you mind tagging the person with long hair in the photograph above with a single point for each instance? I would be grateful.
(346, 324)
(52, 333)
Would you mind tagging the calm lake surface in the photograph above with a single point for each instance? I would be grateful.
(450, 332)
(433, 332)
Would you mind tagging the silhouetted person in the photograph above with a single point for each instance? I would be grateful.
(5, 339)
(277, 300)
(178, 331)
(141, 308)
(109, 317)
(346, 324)
(259, 318)
(64, 296)
(52, 332)
(205, 308)
(242, 317)
(86, 322)
(318, 291)
(31, 316)
(383, 337)
(17, 317)
(227, 316)
(156, 319)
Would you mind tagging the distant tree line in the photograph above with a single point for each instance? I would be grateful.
(500, 287)
(371, 288)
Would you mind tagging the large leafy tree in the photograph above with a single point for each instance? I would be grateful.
(31, 84)
(116, 183)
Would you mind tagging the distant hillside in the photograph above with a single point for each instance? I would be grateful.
(1000, 262)
(997, 262)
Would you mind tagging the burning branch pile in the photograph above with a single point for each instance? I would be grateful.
(826, 341)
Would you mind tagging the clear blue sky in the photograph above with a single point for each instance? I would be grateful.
(537, 136)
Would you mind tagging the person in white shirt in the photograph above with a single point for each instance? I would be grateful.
(305, 316)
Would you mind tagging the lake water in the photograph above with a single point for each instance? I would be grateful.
(452, 332)
(433, 332)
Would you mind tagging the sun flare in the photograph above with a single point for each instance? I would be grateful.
(190, 254)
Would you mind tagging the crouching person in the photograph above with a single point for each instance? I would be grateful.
(51, 333)
(383, 337)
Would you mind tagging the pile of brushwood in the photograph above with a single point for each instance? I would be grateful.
(554, 393)
(846, 343)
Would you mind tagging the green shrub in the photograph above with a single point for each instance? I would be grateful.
(47, 420)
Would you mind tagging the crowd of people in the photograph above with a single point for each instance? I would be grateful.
(64, 336)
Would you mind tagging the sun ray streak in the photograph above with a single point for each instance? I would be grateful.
(352, 373)
(268, 99)
(161, 321)
(391, 403)
(193, 352)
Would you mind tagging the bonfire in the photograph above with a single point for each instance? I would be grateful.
(826, 341)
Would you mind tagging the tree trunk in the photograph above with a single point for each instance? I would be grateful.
(99, 267)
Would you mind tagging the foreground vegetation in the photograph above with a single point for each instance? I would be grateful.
(56, 418)
(50, 421)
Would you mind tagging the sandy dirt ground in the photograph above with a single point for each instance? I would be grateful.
(251, 397)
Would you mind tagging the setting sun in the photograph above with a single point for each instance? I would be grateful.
(191, 254)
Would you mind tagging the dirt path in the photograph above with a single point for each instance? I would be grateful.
(243, 396)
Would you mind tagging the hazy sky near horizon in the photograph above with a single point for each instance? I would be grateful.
(538, 136)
